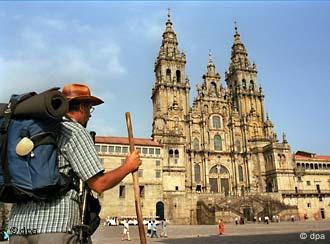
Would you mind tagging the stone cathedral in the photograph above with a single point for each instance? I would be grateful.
(217, 158)
(223, 144)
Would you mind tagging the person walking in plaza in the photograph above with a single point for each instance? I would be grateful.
(164, 228)
(154, 229)
(292, 218)
(221, 227)
(277, 219)
(149, 227)
(54, 221)
(266, 220)
(126, 231)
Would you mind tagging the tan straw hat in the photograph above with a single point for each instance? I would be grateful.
(81, 93)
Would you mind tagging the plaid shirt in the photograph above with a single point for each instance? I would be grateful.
(60, 215)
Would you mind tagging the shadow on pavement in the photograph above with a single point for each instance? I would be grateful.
(289, 238)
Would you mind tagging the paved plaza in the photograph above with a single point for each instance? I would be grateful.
(282, 233)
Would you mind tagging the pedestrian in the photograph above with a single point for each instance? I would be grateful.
(149, 228)
(221, 227)
(292, 218)
(277, 219)
(154, 229)
(236, 220)
(126, 231)
(164, 228)
(55, 219)
(273, 218)
(254, 219)
(266, 220)
(259, 219)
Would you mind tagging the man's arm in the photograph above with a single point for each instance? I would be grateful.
(105, 181)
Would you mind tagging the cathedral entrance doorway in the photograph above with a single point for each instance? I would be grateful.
(219, 179)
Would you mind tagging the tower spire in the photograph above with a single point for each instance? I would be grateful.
(169, 22)
(210, 59)
(235, 24)
(239, 55)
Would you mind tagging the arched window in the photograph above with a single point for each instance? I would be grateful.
(214, 170)
(251, 84)
(213, 88)
(176, 153)
(170, 153)
(206, 109)
(217, 143)
(196, 144)
(223, 170)
(168, 75)
(216, 122)
(197, 169)
(240, 173)
(238, 145)
(178, 76)
(219, 179)
(244, 84)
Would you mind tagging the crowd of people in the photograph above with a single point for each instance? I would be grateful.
(265, 219)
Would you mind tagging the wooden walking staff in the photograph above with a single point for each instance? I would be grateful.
(138, 210)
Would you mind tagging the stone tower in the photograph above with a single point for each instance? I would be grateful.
(170, 96)
(264, 158)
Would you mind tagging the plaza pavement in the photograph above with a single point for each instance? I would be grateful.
(304, 232)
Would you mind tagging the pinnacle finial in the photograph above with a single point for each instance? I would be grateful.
(235, 24)
(168, 14)
(210, 56)
(284, 138)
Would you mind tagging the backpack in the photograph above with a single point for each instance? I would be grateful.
(29, 127)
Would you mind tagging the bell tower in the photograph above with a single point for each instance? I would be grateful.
(170, 93)
(170, 97)
(246, 93)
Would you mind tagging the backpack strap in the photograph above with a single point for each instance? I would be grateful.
(43, 139)
(7, 116)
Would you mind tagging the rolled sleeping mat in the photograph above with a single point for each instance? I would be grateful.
(50, 104)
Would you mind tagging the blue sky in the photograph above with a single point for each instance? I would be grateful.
(112, 46)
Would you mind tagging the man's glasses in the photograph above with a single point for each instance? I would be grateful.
(91, 108)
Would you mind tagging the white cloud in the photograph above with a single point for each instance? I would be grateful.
(39, 62)
(52, 23)
(148, 27)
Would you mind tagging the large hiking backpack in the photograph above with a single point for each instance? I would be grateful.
(29, 126)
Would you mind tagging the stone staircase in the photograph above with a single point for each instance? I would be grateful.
(243, 206)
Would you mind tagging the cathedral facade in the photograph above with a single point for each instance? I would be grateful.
(220, 156)
(223, 144)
